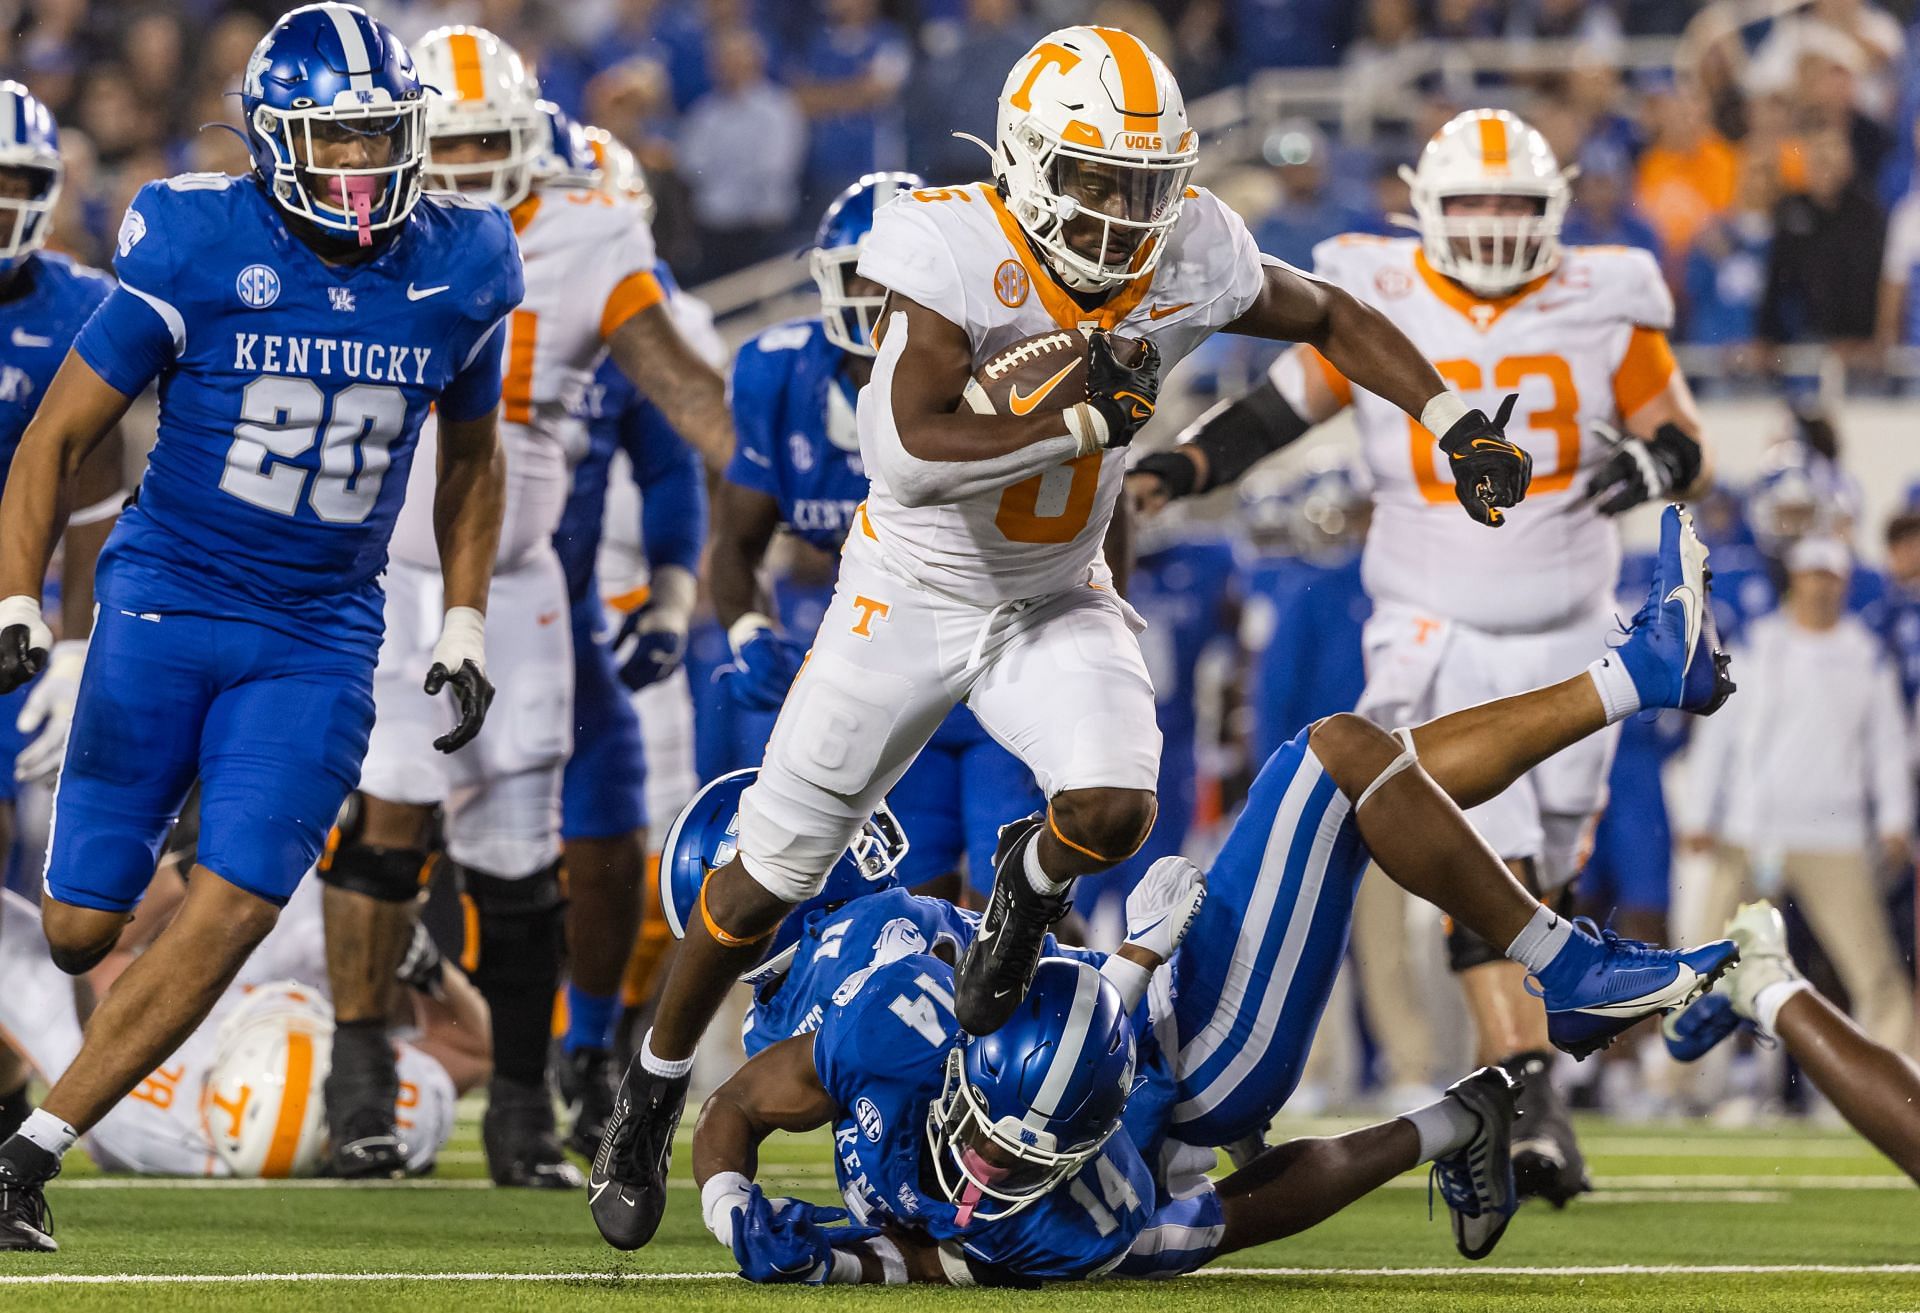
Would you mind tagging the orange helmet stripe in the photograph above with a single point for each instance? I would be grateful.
(285, 1144)
(1493, 143)
(468, 82)
(1139, 92)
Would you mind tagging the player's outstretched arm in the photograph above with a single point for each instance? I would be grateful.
(79, 410)
(649, 349)
(469, 498)
(744, 522)
(1489, 473)
(933, 450)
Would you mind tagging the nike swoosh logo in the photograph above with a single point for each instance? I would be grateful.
(422, 293)
(1160, 312)
(1023, 405)
(1691, 601)
(1001, 993)
(1495, 443)
(21, 337)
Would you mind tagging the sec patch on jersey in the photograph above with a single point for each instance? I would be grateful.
(1040, 374)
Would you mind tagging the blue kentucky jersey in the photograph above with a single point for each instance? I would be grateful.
(791, 396)
(674, 523)
(291, 395)
(881, 1056)
(54, 298)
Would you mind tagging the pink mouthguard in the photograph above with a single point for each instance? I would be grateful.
(356, 194)
(977, 1169)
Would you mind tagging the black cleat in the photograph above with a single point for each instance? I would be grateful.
(361, 1088)
(1000, 963)
(586, 1086)
(1547, 1162)
(627, 1189)
(523, 1148)
(1476, 1180)
(26, 1223)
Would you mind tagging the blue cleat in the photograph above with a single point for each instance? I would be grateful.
(1598, 988)
(1673, 646)
(1476, 1180)
(1694, 1031)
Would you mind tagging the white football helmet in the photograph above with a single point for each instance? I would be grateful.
(1093, 147)
(480, 85)
(1488, 152)
(618, 171)
(261, 1106)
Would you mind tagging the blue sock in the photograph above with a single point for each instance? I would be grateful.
(590, 1019)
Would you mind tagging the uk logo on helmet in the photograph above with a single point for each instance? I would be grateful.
(868, 1117)
(258, 285)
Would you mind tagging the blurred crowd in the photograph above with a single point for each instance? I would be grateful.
(1768, 161)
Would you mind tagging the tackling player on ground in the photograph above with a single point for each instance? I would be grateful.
(1488, 293)
(975, 572)
(592, 290)
(240, 609)
(1003, 1159)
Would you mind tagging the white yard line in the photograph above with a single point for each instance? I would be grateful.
(1624, 1269)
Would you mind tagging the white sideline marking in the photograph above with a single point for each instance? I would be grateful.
(1623, 1269)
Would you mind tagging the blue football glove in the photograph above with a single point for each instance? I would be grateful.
(790, 1240)
(763, 667)
(648, 648)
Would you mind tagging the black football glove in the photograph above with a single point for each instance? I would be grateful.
(472, 695)
(1124, 397)
(25, 641)
(1174, 468)
(1489, 472)
(421, 968)
(1643, 470)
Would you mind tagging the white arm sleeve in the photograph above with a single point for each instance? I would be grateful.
(914, 482)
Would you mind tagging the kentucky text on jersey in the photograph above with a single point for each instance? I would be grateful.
(375, 362)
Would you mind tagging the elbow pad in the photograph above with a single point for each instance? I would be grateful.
(1234, 435)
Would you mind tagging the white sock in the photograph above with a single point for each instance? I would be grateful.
(1768, 1002)
(1615, 686)
(1536, 946)
(1443, 1127)
(1037, 877)
(49, 1132)
(658, 1066)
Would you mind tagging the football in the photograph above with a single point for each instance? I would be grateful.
(1039, 374)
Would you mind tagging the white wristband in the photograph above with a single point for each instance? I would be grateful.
(670, 595)
(1088, 427)
(1128, 977)
(1442, 413)
(719, 1197)
(19, 610)
(745, 628)
(463, 638)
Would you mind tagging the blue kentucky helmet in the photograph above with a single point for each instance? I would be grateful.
(30, 142)
(328, 74)
(705, 836)
(569, 158)
(1026, 1107)
(836, 250)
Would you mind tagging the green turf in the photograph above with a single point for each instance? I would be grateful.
(1683, 1197)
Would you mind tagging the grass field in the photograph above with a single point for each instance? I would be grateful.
(1785, 1218)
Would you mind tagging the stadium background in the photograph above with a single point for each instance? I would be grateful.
(1763, 149)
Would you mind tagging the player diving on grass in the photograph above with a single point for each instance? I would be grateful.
(300, 323)
(1045, 1150)
(974, 571)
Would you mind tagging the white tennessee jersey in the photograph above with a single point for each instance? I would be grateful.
(589, 262)
(959, 252)
(1585, 343)
(160, 1129)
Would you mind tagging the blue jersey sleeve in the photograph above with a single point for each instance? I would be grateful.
(475, 390)
(139, 329)
(673, 495)
(753, 392)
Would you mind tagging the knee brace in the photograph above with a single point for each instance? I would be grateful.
(1466, 950)
(391, 875)
(521, 936)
